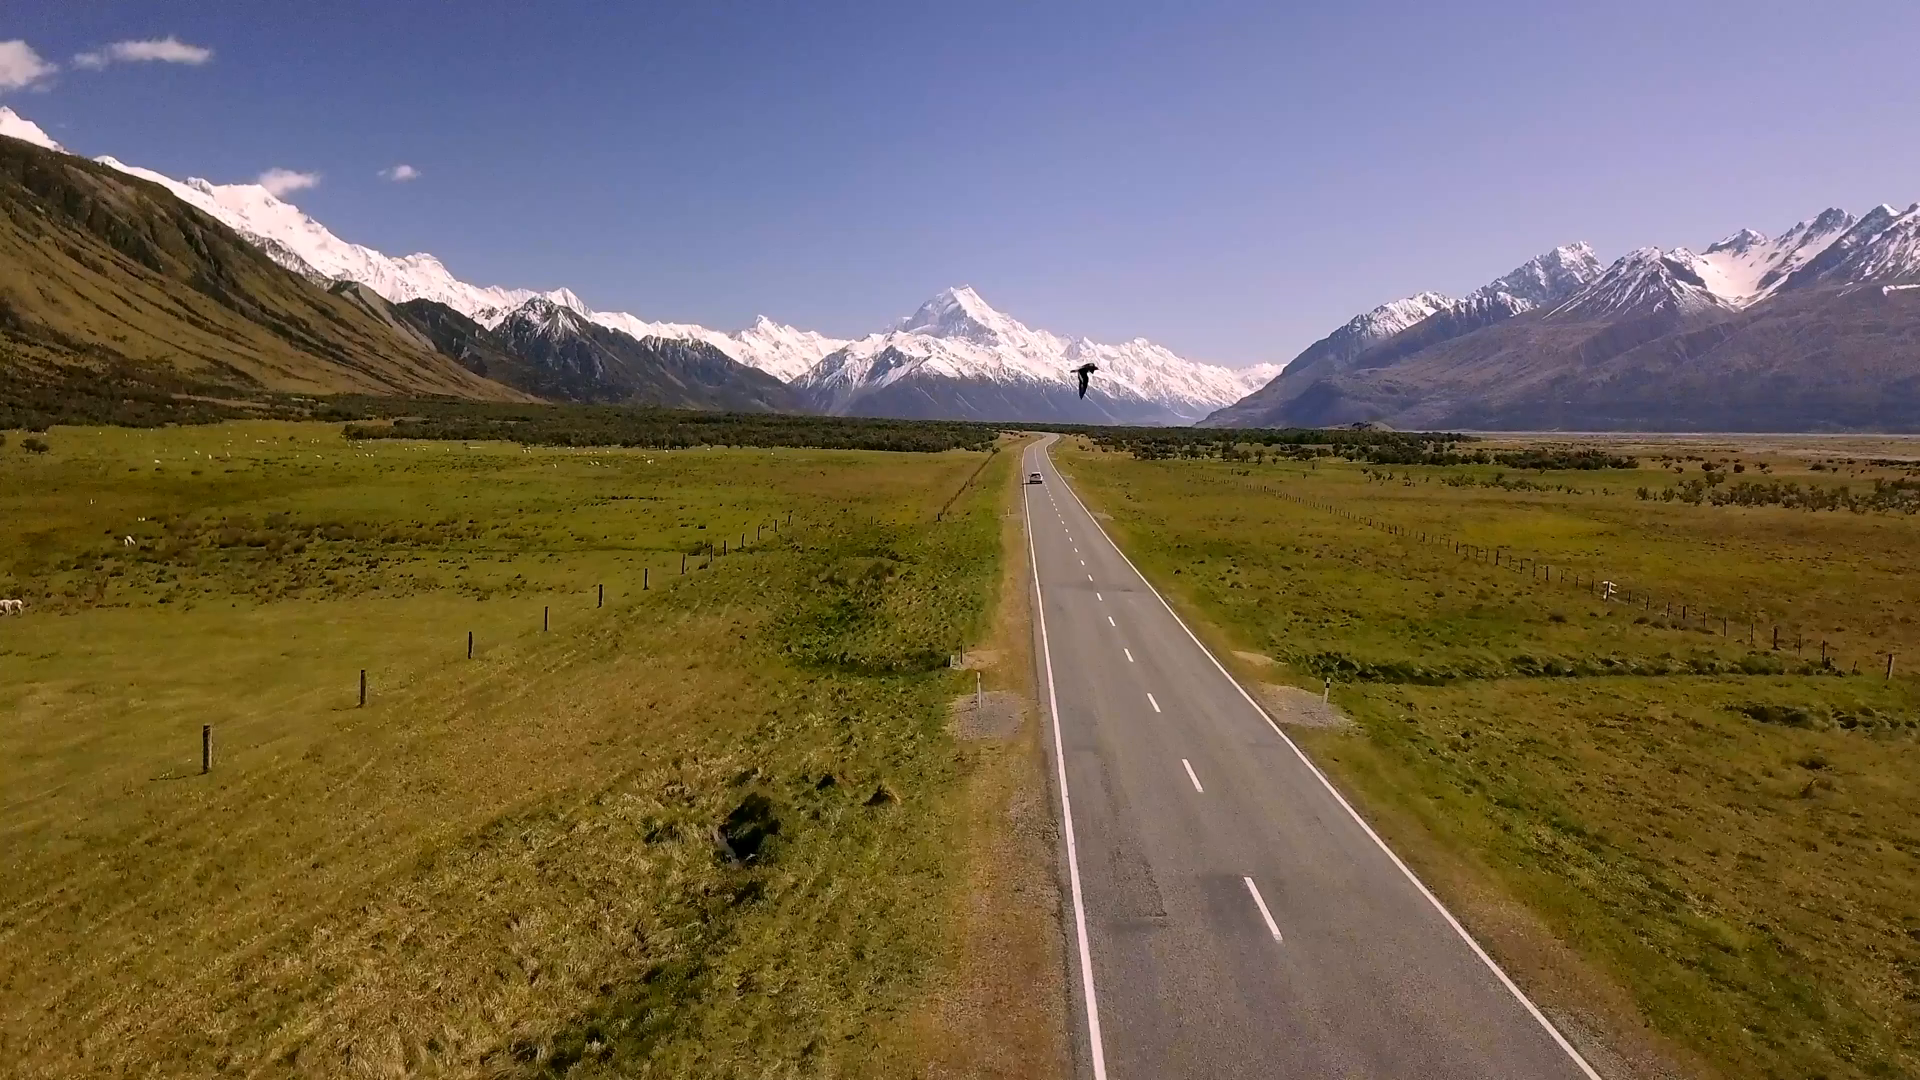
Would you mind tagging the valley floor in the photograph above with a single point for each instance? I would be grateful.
(717, 823)
(1694, 849)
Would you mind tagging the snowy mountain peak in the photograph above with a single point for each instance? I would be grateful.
(13, 125)
(1883, 246)
(960, 313)
(1544, 280)
(1739, 243)
(1748, 266)
(545, 317)
(1396, 315)
(1644, 281)
(957, 349)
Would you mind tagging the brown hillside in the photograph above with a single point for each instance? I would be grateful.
(103, 269)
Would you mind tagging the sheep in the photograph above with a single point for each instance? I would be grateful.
(13, 607)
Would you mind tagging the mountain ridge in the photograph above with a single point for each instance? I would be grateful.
(103, 271)
(305, 246)
(1825, 314)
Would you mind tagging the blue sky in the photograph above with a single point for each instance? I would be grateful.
(1231, 180)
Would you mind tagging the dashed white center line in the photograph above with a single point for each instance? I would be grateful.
(1192, 777)
(1129, 653)
(1154, 703)
(1100, 598)
(1111, 623)
(1089, 577)
(1083, 562)
(1272, 928)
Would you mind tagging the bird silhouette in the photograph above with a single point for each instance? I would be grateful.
(1083, 371)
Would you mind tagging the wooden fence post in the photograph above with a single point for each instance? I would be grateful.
(469, 644)
(646, 573)
(543, 618)
(363, 688)
(602, 600)
(206, 749)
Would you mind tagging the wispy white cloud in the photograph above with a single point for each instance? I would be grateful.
(400, 174)
(21, 67)
(166, 50)
(280, 182)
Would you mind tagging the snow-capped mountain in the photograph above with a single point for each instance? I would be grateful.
(1543, 280)
(1884, 245)
(785, 352)
(958, 356)
(301, 244)
(1743, 269)
(305, 246)
(1415, 322)
(1747, 267)
(955, 336)
(1753, 333)
(573, 358)
(1645, 281)
(13, 125)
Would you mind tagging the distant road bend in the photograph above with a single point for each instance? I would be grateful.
(1232, 916)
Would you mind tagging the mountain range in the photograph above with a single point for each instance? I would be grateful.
(103, 275)
(1816, 329)
(954, 357)
(229, 285)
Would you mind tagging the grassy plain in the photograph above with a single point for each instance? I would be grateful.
(717, 827)
(1727, 833)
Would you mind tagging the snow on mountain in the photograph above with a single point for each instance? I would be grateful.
(1747, 266)
(782, 351)
(1884, 245)
(1258, 375)
(1644, 282)
(1389, 319)
(13, 125)
(958, 336)
(305, 246)
(296, 241)
(1543, 280)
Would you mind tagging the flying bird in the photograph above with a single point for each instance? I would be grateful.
(1083, 371)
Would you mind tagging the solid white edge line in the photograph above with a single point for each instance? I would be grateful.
(1272, 927)
(1192, 777)
(1512, 987)
(1150, 701)
(1066, 814)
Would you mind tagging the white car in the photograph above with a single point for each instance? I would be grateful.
(1033, 478)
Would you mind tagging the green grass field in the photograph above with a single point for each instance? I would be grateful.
(716, 827)
(1727, 833)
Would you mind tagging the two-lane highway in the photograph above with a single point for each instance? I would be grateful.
(1231, 915)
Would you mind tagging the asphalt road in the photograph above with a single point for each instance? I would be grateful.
(1230, 915)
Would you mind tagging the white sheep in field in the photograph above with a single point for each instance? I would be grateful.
(13, 607)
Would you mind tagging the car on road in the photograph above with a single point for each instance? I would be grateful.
(1033, 478)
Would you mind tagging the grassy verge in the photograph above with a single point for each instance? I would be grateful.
(714, 827)
(1726, 832)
